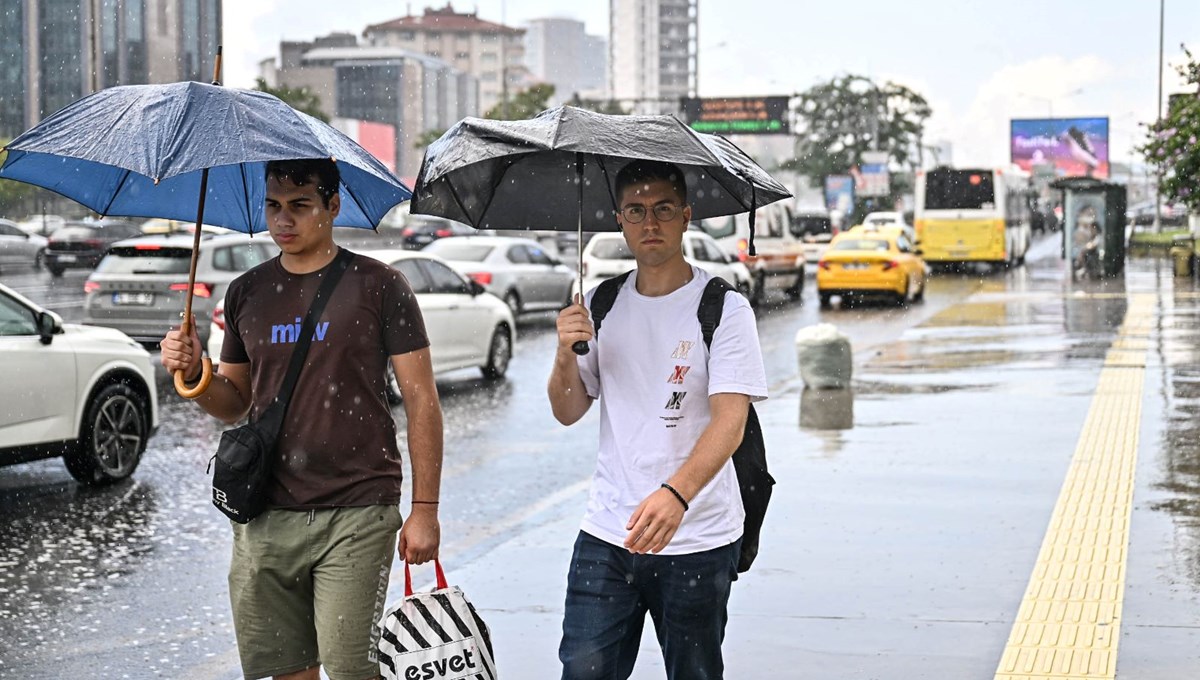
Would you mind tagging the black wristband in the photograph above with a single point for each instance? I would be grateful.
(678, 495)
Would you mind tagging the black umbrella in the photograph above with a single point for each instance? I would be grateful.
(557, 171)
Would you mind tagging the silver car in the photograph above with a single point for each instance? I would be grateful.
(517, 270)
(19, 248)
(139, 286)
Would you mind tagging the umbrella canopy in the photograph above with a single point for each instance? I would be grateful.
(523, 174)
(140, 151)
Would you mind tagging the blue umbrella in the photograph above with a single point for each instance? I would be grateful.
(192, 152)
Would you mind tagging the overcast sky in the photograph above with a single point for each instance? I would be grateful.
(978, 63)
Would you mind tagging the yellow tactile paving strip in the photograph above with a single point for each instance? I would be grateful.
(1068, 625)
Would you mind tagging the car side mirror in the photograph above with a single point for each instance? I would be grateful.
(918, 252)
(48, 324)
(476, 288)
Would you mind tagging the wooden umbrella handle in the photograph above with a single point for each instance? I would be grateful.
(206, 372)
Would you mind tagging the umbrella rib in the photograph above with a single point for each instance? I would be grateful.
(112, 200)
(361, 207)
(507, 166)
(246, 197)
(607, 184)
(463, 208)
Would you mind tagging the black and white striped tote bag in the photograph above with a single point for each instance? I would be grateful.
(434, 636)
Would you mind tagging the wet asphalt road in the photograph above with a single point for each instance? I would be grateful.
(129, 581)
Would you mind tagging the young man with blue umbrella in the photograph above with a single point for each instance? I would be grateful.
(309, 576)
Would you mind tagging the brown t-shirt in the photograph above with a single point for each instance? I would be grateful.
(338, 444)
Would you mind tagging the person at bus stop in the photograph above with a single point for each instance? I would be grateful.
(663, 524)
(309, 576)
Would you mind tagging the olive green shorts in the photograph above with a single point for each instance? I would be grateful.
(307, 588)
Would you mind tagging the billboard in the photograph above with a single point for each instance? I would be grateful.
(1073, 146)
(737, 115)
(871, 177)
(839, 195)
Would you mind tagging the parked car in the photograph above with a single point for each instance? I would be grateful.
(42, 225)
(19, 248)
(421, 231)
(871, 262)
(467, 326)
(139, 286)
(516, 270)
(85, 394)
(83, 244)
(606, 255)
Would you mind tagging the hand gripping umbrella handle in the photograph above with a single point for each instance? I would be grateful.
(206, 372)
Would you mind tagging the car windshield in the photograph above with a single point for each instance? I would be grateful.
(146, 260)
(804, 225)
(611, 249)
(69, 233)
(861, 244)
(463, 252)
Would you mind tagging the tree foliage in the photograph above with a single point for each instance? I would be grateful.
(850, 114)
(524, 104)
(609, 106)
(299, 98)
(14, 196)
(1171, 142)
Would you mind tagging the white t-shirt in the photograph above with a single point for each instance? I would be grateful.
(653, 376)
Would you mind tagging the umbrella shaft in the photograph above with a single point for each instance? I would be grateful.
(187, 306)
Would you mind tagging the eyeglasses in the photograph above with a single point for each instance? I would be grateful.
(663, 212)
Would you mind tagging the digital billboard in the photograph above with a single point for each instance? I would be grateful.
(1076, 147)
(737, 115)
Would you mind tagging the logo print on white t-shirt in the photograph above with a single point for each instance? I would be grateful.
(677, 377)
(676, 401)
(682, 350)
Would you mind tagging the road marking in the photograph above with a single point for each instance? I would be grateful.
(1069, 623)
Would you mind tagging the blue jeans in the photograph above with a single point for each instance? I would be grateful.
(609, 591)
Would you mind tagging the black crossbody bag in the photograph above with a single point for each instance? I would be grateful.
(244, 456)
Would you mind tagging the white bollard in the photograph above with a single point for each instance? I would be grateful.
(825, 357)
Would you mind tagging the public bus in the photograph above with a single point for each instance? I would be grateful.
(973, 215)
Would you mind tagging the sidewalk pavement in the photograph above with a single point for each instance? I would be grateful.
(909, 511)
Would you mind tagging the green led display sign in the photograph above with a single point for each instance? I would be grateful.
(738, 115)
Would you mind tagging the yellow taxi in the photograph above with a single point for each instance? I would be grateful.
(871, 261)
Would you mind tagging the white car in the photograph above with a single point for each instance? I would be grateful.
(887, 218)
(516, 270)
(467, 327)
(19, 248)
(84, 393)
(606, 255)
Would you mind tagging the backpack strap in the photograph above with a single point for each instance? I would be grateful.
(712, 303)
(604, 297)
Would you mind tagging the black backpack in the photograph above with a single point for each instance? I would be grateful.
(750, 458)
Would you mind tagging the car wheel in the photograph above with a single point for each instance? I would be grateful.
(55, 270)
(920, 294)
(759, 292)
(499, 354)
(902, 298)
(746, 288)
(39, 260)
(826, 300)
(513, 301)
(391, 387)
(113, 437)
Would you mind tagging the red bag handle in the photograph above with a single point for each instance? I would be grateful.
(441, 578)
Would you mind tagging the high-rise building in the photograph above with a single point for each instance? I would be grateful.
(409, 91)
(652, 53)
(56, 51)
(560, 52)
(493, 53)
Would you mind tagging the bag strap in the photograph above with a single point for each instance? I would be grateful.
(441, 578)
(315, 309)
(712, 303)
(604, 297)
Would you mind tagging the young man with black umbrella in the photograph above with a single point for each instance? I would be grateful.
(664, 520)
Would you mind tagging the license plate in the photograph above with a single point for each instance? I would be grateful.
(66, 258)
(133, 298)
(855, 265)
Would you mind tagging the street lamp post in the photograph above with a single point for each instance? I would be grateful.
(1162, 6)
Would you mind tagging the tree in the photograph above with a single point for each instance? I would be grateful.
(609, 106)
(851, 114)
(525, 104)
(14, 196)
(299, 98)
(426, 138)
(1171, 142)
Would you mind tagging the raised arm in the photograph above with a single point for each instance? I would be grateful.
(569, 400)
